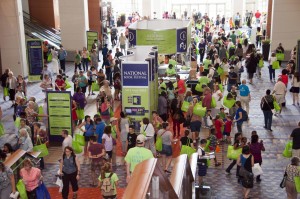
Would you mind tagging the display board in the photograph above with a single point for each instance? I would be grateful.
(135, 90)
(164, 39)
(35, 58)
(59, 112)
(91, 36)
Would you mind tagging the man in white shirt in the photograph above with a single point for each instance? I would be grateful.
(279, 91)
(67, 139)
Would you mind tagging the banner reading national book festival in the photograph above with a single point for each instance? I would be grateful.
(35, 59)
(135, 91)
(59, 112)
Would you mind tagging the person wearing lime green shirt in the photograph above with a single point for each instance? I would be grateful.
(170, 71)
(136, 155)
(106, 173)
(206, 62)
(162, 86)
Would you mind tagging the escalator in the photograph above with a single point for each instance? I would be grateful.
(35, 30)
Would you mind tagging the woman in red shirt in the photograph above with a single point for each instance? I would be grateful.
(59, 83)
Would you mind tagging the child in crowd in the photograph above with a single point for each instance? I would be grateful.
(208, 119)
(213, 144)
(202, 161)
(131, 138)
(222, 113)
(218, 127)
(227, 129)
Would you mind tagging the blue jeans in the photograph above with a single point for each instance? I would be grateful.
(271, 72)
(109, 76)
(268, 115)
(239, 127)
(85, 64)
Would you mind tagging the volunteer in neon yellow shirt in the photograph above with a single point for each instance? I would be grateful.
(136, 155)
(170, 71)
(162, 86)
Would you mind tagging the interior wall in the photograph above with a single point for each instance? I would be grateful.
(25, 5)
(94, 16)
(285, 17)
(44, 11)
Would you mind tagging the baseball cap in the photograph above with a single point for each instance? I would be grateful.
(140, 139)
(113, 119)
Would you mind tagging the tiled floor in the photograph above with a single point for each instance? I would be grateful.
(223, 186)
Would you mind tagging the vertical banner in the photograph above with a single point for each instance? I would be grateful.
(132, 37)
(59, 112)
(91, 36)
(181, 40)
(135, 90)
(35, 59)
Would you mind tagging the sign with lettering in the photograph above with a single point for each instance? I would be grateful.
(35, 59)
(135, 74)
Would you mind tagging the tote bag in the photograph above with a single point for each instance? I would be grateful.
(80, 139)
(229, 103)
(42, 192)
(21, 189)
(80, 113)
(232, 153)
(41, 148)
(199, 110)
(275, 65)
(185, 106)
(186, 149)
(77, 147)
(257, 170)
(95, 86)
(287, 152)
(280, 56)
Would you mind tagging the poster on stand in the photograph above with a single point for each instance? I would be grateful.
(135, 90)
(132, 37)
(91, 36)
(59, 112)
(35, 58)
(163, 39)
(181, 40)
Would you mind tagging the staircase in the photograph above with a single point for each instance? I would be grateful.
(35, 30)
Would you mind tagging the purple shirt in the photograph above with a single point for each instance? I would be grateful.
(79, 99)
(255, 150)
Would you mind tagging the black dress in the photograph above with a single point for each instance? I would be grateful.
(247, 181)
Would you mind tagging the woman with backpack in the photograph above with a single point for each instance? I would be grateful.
(108, 182)
(70, 172)
(246, 162)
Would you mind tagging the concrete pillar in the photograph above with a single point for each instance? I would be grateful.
(285, 16)
(46, 12)
(12, 37)
(146, 8)
(238, 6)
(74, 23)
(269, 19)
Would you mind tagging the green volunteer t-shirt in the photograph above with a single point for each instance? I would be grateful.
(114, 178)
(171, 71)
(136, 155)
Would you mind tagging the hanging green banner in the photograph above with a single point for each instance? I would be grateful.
(91, 36)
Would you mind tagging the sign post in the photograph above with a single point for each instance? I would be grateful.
(59, 112)
(35, 58)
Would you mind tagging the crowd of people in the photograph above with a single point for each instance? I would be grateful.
(218, 102)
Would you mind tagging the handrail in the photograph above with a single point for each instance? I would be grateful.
(33, 19)
(193, 164)
(151, 181)
(182, 177)
(14, 157)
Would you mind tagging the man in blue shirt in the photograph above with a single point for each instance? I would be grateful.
(245, 96)
(99, 129)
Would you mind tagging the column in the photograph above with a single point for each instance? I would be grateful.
(74, 23)
(12, 37)
(238, 6)
(285, 16)
(269, 19)
(94, 16)
(46, 12)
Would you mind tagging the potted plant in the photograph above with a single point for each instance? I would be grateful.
(266, 48)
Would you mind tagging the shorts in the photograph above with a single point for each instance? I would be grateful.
(110, 197)
(202, 169)
(226, 133)
(195, 126)
(122, 46)
(90, 82)
(96, 165)
(109, 153)
(87, 138)
(280, 99)
(166, 150)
